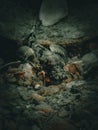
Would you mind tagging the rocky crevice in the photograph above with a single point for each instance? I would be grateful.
(65, 105)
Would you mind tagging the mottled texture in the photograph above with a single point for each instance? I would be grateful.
(52, 11)
(19, 18)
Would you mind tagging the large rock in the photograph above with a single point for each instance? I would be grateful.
(80, 25)
(19, 18)
(52, 11)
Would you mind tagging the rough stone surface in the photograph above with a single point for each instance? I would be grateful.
(79, 25)
(70, 106)
(52, 12)
(18, 20)
(66, 109)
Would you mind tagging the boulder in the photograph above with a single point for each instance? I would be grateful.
(18, 19)
(52, 11)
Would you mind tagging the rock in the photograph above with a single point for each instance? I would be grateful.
(54, 89)
(57, 74)
(44, 107)
(22, 75)
(37, 97)
(50, 90)
(72, 68)
(72, 29)
(37, 86)
(88, 62)
(17, 23)
(57, 49)
(24, 82)
(52, 11)
(25, 52)
(24, 93)
(89, 58)
(75, 83)
(26, 78)
(27, 69)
